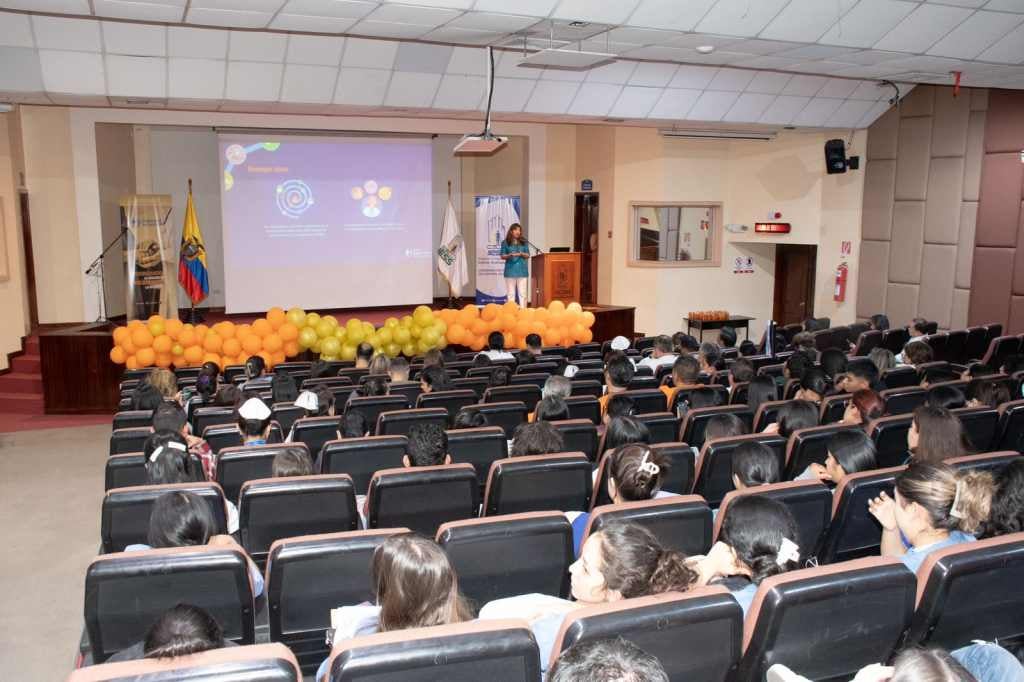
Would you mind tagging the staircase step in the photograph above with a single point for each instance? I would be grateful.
(32, 345)
(27, 364)
(21, 382)
(21, 403)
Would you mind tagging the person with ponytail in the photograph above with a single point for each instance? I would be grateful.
(621, 561)
(758, 539)
(635, 472)
(934, 506)
(182, 630)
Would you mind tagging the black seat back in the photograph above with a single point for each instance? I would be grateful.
(537, 379)
(124, 441)
(664, 426)
(479, 447)
(360, 458)
(252, 663)
(956, 346)
(450, 401)
(976, 344)
(582, 387)
(810, 446)
(579, 435)
(979, 425)
(714, 467)
(833, 407)
(682, 522)
(315, 431)
(854, 532)
(695, 421)
(130, 419)
(1011, 426)
(203, 417)
(646, 401)
(125, 471)
(477, 385)
(400, 422)
(809, 501)
(895, 339)
(422, 498)
(767, 413)
(890, 437)
(988, 461)
(528, 394)
(220, 436)
(558, 482)
(903, 400)
(124, 517)
(584, 407)
(286, 415)
(372, 406)
(868, 341)
(900, 377)
(507, 415)
(244, 463)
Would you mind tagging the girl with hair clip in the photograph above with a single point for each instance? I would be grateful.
(635, 473)
(621, 561)
(848, 453)
(758, 539)
(253, 419)
(415, 587)
(1007, 512)
(164, 381)
(935, 435)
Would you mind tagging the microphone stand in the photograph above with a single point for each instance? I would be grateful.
(529, 243)
(96, 268)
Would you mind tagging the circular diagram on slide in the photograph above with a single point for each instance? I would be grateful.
(294, 197)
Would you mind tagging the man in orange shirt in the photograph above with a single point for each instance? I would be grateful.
(685, 376)
(618, 372)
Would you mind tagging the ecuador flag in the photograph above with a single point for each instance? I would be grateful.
(192, 262)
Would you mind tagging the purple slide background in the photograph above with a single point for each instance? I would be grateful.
(333, 228)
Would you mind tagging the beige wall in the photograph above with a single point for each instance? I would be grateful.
(13, 296)
(115, 156)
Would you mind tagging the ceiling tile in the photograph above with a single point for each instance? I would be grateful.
(767, 62)
(257, 46)
(506, 65)
(460, 92)
(712, 105)
(731, 80)
(869, 90)
(134, 39)
(769, 82)
(604, 11)
(422, 58)
(595, 99)
(675, 103)
(319, 50)
(962, 3)
(565, 75)
(139, 11)
(693, 77)
(388, 29)
(873, 113)
(463, 36)
(740, 17)
(617, 72)
(1009, 48)
(66, 34)
(761, 47)
(511, 94)
(308, 83)
(532, 8)
(76, 73)
(487, 21)
(58, 6)
(849, 113)
(340, 9)
(448, 4)
(257, 81)
(922, 28)
(268, 6)
(639, 36)
(313, 24)
(748, 108)
(635, 102)
(817, 111)
(361, 86)
(21, 71)
(806, 20)
(467, 60)
(136, 76)
(197, 42)
(865, 24)
(975, 35)
(658, 52)
(1006, 6)
(196, 78)
(838, 87)
(807, 52)
(15, 30)
(783, 110)
(678, 15)
(653, 74)
(225, 17)
(406, 14)
(804, 85)
(371, 54)
(551, 97)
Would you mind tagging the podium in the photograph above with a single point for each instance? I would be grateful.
(555, 277)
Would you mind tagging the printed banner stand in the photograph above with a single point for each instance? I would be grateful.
(151, 267)
(493, 216)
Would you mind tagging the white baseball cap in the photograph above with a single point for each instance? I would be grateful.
(620, 343)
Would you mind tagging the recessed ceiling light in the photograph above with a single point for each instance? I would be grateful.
(705, 49)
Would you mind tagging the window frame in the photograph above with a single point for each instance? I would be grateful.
(716, 235)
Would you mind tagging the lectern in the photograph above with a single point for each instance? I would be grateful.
(555, 277)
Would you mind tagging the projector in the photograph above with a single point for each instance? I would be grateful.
(480, 144)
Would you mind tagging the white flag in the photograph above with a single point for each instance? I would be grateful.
(451, 255)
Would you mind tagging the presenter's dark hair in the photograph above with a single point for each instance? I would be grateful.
(496, 341)
(508, 235)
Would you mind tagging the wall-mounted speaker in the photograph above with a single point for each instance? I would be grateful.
(835, 157)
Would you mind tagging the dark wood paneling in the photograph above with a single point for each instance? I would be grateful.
(78, 376)
(612, 321)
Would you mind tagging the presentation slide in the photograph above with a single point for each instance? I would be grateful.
(325, 222)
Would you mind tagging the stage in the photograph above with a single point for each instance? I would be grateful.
(79, 378)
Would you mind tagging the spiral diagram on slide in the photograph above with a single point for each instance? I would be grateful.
(294, 197)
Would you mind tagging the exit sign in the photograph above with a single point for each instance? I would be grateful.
(772, 228)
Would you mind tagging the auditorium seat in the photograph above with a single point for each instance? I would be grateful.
(1011, 426)
(589, 375)
(537, 379)
(125, 471)
(400, 422)
(713, 476)
(695, 421)
(589, 387)
(510, 555)
(868, 341)
(841, 337)
(528, 394)
(126, 592)
(236, 465)
(359, 458)
(254, 663)
(646, 401)
(696, 636)
(644, 343)
(310, 384)
(371, 407)
(131, 419)
(124, 517)
(956, 346)
(739, 393)
(903, 400)
(353, 373)
(450, 401)
(220, 436)
(980, 425)
(976, 344)
(664, 426)
(411, 390)
(479, 447)
(286, 414)
(556, 482)
(590, 361)
(493, 650)
(478, 372)
(478, 386)
(341, 393)
(988, 461)
(270, 509)
(507, 415)
(895, 339)
(827, 622)
(202, 417)
(938, 342)
(641, 382)
(579, 435)
(900, 377)
(970, 591)
(422, 498)
(767, 413)
(810, 446)
(681, 522)
(310, 575)
(853, 531)
(790, 389)
(823, 339)
(125, 403)
(809, 501)
(999, 349)
(124, 441)
(832, 408)
(584, 407)
(137, 374)
(890, 437)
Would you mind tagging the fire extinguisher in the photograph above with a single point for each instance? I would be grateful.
(841, 273)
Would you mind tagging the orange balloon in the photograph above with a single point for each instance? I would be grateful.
(141, 338)
(188, 337)
(128, 346)
(173, 327)
(479, 328)
(510, 307)
(552, 337)
(456, 333)
(135, 324)
(288, 332)
(508, 322)
(291, 348)
(178, 361)
(163, 360)
(120, 334)
(261, 328)
(277, 358)
(118, 355)
(242, 330)
(578, 331)
(477, 343)
(131, 363)
(252, 344)
(522, 327)
(201, 331)
(556, 307)
(587, 336)
(212, 343)
(588, 319)
(276, 317)
(193, 355)
(267, 357)
(225, 330)
(146, 357)
(272, 343)
(212, 357)
(162, 344)
(490, 311)
(231, 347)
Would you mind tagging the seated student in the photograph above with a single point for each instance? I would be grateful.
(536, 438)
(635, 473)
(398, 369)
(947, 397)
(709, 357)
(814, 386)
(685, 377)
(533, 344)
(556, 386)
(551, 409)
(805, 343)
(934, 507)
(253, 418)
(317, 402)
(976, 370)
(918, 327)
(623, 431)
(256, 377)
(182, 519)
(469, 419)
(146, 397)
(617, 374)
(878, 323)
(915, 353)
(795, 366)
(725, 426)
(164, 381)
(291, 462)
(428, 447)
(662, 354)
(754, 464)
(481, 360)
(608, 660)
(353, 425)
(180, 631)
(741, 371)
(321, 369)
(748, 348)
(985, 662)
(833, 363)
(863, 408)
(622, 561)
(987, 394)
(860, 376)
(283, 387)
(727, 337)
(228, 396)
(685, 344)
(434, 378)
(1007, 510)
(525, 357)
(375, 385)
(207, 382)
(935, 435)
(936, 375)
(496, 347)
(364, 353)
(758, 539)
(572, 356)
(433, 358)
(762, 389)
(618, 406)
(414, 586)
(380, 365)
(849, 452)
(793, 416)
(1012, 364)
(448, 354)
(882, 358)
(168, 416)
(500, 376)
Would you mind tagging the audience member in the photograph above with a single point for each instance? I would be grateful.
(496, 347)
(1012, 364)
(283, 387)
(685, 377)
(353, 425)
(930, 376)
(556, 386)
(726, 425)
(180, 631)
(1007, 510)
(623, 431)
(883, 359)
(918, 327)
(533, 344)
(168, 416)
(469, 419)
(500, 376)
(878, 323)
(935, 435)
(754, 464)
(433, 358)
(792, 416)
(813, 386)
(685, 343)
(804, 343)
(379, 365)
(434, 378)
(748, 348)
(741, 371)
(207, 382)
(987, 394)
(168, 461)
(619, 405)
(977, 370)
(833, 363)
(860, 376)
(947, 397)
(256, 377)
(863, 407)
(795, 365)
(317, 402)
(915, 353)
(525, 357)
(762, 389)
(146, 396)
(708, 357)
(164, 381)
(364, 353)
(291, 461)
(536, 438)
(428, 446)
(662, 355)
(849, 452)
(551, 409)
(398, 369)
(253, 419)
(702, 397)
(617, 375)
(609, 660)
(727, 337)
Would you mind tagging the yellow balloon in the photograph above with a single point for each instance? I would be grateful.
(312, 319)
(348, 352)
(330, 346)
(296, 316)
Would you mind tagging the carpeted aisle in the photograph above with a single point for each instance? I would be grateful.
(51, 489)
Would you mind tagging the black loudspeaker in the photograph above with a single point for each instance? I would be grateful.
(835, 157)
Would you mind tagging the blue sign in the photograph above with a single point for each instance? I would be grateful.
(587, 185)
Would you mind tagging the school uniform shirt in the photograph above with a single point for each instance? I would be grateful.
(515, 267)
(915, 556)
(497, 354)
(655, 363)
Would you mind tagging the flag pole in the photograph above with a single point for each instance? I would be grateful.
(451, 294)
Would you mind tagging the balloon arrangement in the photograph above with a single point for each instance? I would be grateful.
(279, 335)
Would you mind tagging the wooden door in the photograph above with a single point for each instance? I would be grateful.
(794, 282)
(30, 264)
(585, 240)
